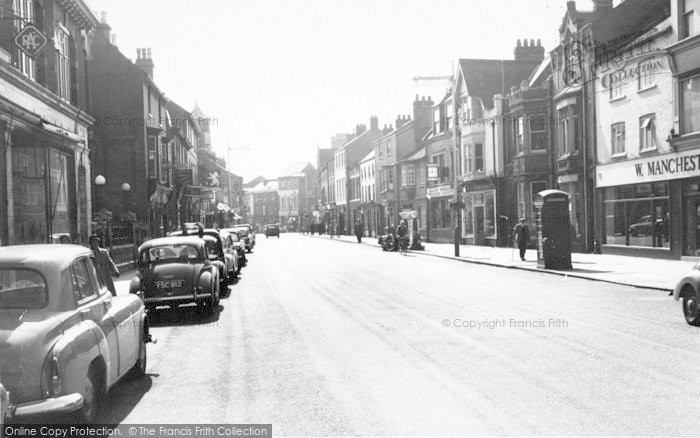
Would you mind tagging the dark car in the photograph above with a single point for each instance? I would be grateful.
(239, 245)
(174, 271)
(272, 230)
(217, 255)
(246, 236)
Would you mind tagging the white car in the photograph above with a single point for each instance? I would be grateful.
(687, 291)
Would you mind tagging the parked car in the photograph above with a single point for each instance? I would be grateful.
(251, 233)
(239, 245)
(226, 263)
(176, 270)
(232, 256)
(247, 239)
(65, 340)
(4, 406)
(687, 291)
(641, 228)
(272, 230)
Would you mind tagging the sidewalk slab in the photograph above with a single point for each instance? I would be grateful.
(647, 273)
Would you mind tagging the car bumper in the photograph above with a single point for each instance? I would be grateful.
(176, 298)
(57, 406)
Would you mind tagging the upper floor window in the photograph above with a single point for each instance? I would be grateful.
(538, 132)
(646, 74)
(388, 149)
(518, 134)
(163, 162)
(690, 105)
(24, 10)
(688, 18)
(408, 177)
(381, 151)
(437, 128)
(62, 43)
(615, 87)
(647, 132)
(618, 138)
(468, 158)
(567, 130)
(478, 157)
(152, 164)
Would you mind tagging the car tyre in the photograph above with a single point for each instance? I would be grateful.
(690, 308)
(91, 397)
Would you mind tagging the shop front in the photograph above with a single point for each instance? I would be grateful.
(440, 221)
(479, 217)
(650, 206)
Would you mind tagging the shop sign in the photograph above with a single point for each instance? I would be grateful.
(184, 177)
(658, 168)
(31, 40)
(440, 191)
(433, 172)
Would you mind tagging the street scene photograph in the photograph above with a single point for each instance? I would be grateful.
(318, 218)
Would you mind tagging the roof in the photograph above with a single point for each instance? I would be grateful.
(543, 70)
(360, 146)
(486, 77)
(368, 157)
(415, 155)
(170, 240)
(629, 19)
(325, 155)
(38, 255)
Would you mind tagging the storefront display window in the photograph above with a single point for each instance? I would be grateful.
(60, 181)
(440, 214)
(29, 192)
(479, 214)
(638, 215)
(468, 216)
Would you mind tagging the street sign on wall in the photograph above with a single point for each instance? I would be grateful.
(439, 191)
(31, 40)
(184, 177)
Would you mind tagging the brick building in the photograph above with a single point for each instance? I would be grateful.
(46, 173)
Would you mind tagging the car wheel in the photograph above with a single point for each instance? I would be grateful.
(91, 397)
(139, 369)
(690, 308)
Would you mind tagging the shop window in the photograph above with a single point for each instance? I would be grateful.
(688, 18)
(690, 105)
(647, 132)
(643, 221)
(29, 192)
(618, 138)
(489, 214)
(468, 220)
(521, 199)
(538, 134)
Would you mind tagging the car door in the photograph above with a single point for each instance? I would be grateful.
(124, 319)
(92, 306)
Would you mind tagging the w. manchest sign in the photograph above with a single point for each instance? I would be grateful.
(657, 168)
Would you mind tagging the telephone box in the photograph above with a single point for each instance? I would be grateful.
(553, 229)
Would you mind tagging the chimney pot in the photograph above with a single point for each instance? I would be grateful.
(519, 42)
(532, 43)
(525, 42)
(539, 42)
(138, 53)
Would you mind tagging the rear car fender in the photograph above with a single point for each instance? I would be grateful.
(76, 350)
(135, 285)
(205, 280)
(688, 281)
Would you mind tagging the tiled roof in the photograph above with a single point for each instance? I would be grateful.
(486, 77)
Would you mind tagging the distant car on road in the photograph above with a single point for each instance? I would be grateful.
(272, 230)
(65, 340)
(686, 291)
(174, 271)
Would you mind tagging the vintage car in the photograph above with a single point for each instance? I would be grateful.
(246, 236)
(238, 245)
(226, 265)
(272, 230)
(686, 291)
(176, 270)
(232, 256)
(65, 340)
(4, 406)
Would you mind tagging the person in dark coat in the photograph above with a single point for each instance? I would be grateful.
(521, 236)
(104, 263)
(359, 230)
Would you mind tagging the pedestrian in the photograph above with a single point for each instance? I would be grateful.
(359, 230)
(105, 265)
(521, 236)
(402, 232)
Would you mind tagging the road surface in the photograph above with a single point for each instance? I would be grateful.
(322, 337)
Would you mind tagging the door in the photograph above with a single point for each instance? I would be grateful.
(92, 306)
(478, 225)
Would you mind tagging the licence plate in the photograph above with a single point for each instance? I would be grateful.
(167, 284)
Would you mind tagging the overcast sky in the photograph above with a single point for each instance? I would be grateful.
(280, 77)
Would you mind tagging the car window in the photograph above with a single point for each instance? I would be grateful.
(171, 253)
(99, 275)
(83, 286)
(22, 289)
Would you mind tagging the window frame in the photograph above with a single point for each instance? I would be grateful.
(647, 133)
(62, 40)
(533, 132)
(617, 139)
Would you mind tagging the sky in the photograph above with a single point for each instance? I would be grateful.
(280, 77)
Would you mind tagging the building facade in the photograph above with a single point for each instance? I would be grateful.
(46, 171)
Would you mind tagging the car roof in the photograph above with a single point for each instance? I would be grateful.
(171, 240)
(36, 255)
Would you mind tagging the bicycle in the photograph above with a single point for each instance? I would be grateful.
(403, 245)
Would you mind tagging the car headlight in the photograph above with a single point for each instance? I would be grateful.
(50, 377)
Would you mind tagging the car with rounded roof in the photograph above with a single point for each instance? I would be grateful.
(172, 271)
(65, 338)
(687, 291)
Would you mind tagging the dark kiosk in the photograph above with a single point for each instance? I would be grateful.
(553, 229)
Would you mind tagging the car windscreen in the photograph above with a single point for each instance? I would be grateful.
(234, 237)
(22, 289)
(242, 232)
(173, 253)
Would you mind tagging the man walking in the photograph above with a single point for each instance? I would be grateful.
(359, 230)
(104, 262)
(521, 236)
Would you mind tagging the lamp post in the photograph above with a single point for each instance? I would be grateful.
(100, 182)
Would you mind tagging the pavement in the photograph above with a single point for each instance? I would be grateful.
(639, 272)
(320, 338)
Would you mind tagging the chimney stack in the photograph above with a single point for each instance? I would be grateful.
(373, 123)
(144, 61)
(103, 27)
(529, 51)
(602, 5)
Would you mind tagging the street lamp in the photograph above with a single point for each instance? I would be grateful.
(100, 181)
